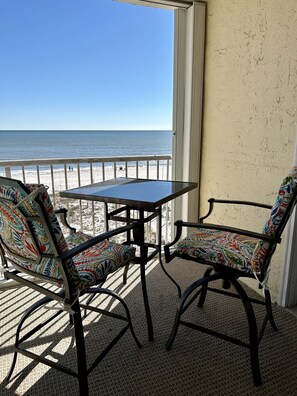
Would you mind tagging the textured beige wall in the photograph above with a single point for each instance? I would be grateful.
(250, 106)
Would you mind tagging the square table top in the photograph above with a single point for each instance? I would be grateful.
(140, 193)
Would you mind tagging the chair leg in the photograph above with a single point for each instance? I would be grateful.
(121, 300)
(268, 316)
(92, 296)
(25, 316)
(80, 350)
(88, 302)
(180, 308)
(7, 378)
(204, 288)
(253, 332)
(125, 274)
(129, 320)
(169, 276)
(269, 309)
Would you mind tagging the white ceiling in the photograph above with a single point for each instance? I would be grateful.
(161, 3)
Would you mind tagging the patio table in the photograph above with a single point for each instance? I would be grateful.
(146, 197)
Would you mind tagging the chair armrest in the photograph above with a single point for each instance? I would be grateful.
(63, 212)
(233, 230)
(212, 201)
(99, 238)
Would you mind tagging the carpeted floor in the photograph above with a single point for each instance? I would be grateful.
(197, 364)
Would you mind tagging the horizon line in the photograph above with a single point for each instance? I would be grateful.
(86, 130)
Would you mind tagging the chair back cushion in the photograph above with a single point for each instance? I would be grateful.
(278, 215)
(29, 244)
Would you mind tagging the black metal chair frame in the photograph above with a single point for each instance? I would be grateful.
(229, 276)
(67, 296)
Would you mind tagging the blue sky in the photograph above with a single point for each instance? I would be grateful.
(85, 64)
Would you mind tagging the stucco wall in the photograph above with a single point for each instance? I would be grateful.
(250, 107)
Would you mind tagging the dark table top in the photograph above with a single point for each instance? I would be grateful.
(139, 193)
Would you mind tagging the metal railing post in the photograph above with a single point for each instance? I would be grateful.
(8, 171)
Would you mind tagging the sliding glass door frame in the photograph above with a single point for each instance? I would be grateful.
(189, 44)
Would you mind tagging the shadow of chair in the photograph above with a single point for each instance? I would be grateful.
(232, 254)
(36, 254)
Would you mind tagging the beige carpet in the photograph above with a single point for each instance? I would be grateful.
(198, 364)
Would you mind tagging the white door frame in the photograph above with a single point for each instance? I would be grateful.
(288, 285)
(188, 104)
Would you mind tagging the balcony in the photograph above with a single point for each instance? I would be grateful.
(182, 370)
(192, 367)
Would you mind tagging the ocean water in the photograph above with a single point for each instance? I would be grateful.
(72, 144)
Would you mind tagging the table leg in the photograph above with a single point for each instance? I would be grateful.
(143, 258)
(106, 217)
(143, 262)
(128, 239)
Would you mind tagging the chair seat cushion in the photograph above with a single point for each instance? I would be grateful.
(219, 247)
(95, 263)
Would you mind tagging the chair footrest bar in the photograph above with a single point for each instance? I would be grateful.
(67, 370)
(230, 294)
(46, 361)
(104, 312)
(39, 327)
(215, 333)
(107, 349)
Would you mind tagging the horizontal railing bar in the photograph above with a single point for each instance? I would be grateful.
(82, 160)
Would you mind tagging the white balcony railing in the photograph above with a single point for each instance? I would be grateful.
(64, 173)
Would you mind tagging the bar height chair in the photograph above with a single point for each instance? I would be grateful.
(233, 254)
(32, 243)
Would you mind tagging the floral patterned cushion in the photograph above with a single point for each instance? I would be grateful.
(86, 269)
(17, 237)
(284, 196)
(15, 231)
(220, 247)
(95, 263)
